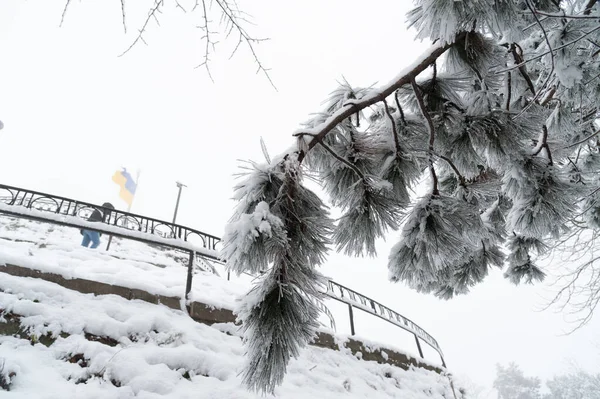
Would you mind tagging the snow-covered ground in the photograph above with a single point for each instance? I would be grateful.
(160, 352)
(56, 249)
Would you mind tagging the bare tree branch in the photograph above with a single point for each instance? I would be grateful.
(123, 15)
(232, 18)
(151, 14)
(208, 41)
(62, 18)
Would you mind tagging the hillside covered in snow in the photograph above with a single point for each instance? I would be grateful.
(58, 343)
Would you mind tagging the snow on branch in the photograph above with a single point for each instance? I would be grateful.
(317, 133)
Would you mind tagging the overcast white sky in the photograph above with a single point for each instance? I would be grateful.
(74, 112)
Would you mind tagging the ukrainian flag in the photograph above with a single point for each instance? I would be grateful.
(127, 184)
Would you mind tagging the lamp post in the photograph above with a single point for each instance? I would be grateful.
(180, 185)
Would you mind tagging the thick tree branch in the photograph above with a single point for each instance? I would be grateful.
(319, 132)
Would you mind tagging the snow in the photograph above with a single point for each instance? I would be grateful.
(56, 249)
(374, 96)
(50, 309)
(162, 353)
(105, 228)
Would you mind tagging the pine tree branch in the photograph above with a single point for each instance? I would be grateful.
(344, 161)
(319, 132)
(508, 90)
(402, 118)
(589, 6)
(548, 96)
(584, 140)
(461, 179)
(431, 128)
(537, 57)
(543, 145)
(562, 16)
(549, 48)
(522, 68)
(394, 130)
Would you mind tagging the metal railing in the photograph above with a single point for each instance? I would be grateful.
(68, 207)
(176, 236)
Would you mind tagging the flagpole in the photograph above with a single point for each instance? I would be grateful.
(137, 183)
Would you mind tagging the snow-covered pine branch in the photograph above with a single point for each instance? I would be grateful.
(500, 115)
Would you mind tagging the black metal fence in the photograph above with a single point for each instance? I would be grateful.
(199, 245)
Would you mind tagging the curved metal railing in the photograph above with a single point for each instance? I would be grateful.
(173, 235)
(68, 207)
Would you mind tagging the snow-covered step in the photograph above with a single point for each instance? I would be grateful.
(160, 352)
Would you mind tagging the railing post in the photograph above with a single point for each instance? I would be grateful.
(190, 274)
(419, 346)
(351, 313)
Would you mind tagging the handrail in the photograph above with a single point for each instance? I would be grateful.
(169, 232)
(360, 301)
(130, 221)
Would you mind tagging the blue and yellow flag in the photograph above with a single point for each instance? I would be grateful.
(127, 184)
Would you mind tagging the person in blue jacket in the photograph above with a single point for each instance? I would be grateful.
(91, 236)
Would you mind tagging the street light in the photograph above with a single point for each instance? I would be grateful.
(180, 185)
